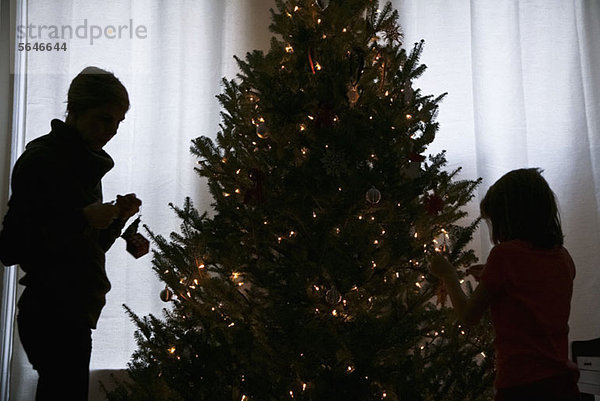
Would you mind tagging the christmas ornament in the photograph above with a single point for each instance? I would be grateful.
(434, 204)
(441, 294)
(333, 296)
(262, 131)
(137, 244)
(166, 295)
(353, 95)
(393, 34)
(322, 4)
(373, 196)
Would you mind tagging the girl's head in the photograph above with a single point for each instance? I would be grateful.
(521, 205)
(96, 103)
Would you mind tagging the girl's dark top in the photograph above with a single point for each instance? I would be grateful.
(46, 233)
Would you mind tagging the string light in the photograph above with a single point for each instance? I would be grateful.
(289, 48)
(172, 350)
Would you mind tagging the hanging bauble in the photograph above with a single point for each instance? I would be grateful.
(137, 244)
(262, 131)
(322, 4)
(373, 196)
(166, 295)
(333, 296)
(353, 95)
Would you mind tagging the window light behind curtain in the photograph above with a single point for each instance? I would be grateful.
(522, 93)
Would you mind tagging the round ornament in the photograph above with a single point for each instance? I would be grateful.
(166, 295)
(322, 4)
(333, 296)
(262, 131)
(373, 196)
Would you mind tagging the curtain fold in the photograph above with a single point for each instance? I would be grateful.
(523, 92)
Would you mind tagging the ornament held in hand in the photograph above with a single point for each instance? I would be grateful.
(137, 244)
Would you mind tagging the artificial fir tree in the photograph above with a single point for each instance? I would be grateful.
(309, 278)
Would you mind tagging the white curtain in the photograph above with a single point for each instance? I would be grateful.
(522, 92)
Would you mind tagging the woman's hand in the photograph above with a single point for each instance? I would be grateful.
(441, 268)
(128, 205)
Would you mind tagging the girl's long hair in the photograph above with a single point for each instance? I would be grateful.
(521, 205)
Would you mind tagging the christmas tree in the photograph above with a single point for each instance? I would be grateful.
(308, 280)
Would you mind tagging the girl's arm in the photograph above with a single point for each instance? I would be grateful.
(469, 310)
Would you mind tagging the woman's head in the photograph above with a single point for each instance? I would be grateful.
(521, 205)
(96, 103)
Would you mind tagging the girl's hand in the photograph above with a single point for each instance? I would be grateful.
(476, 271)
(441, 268)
